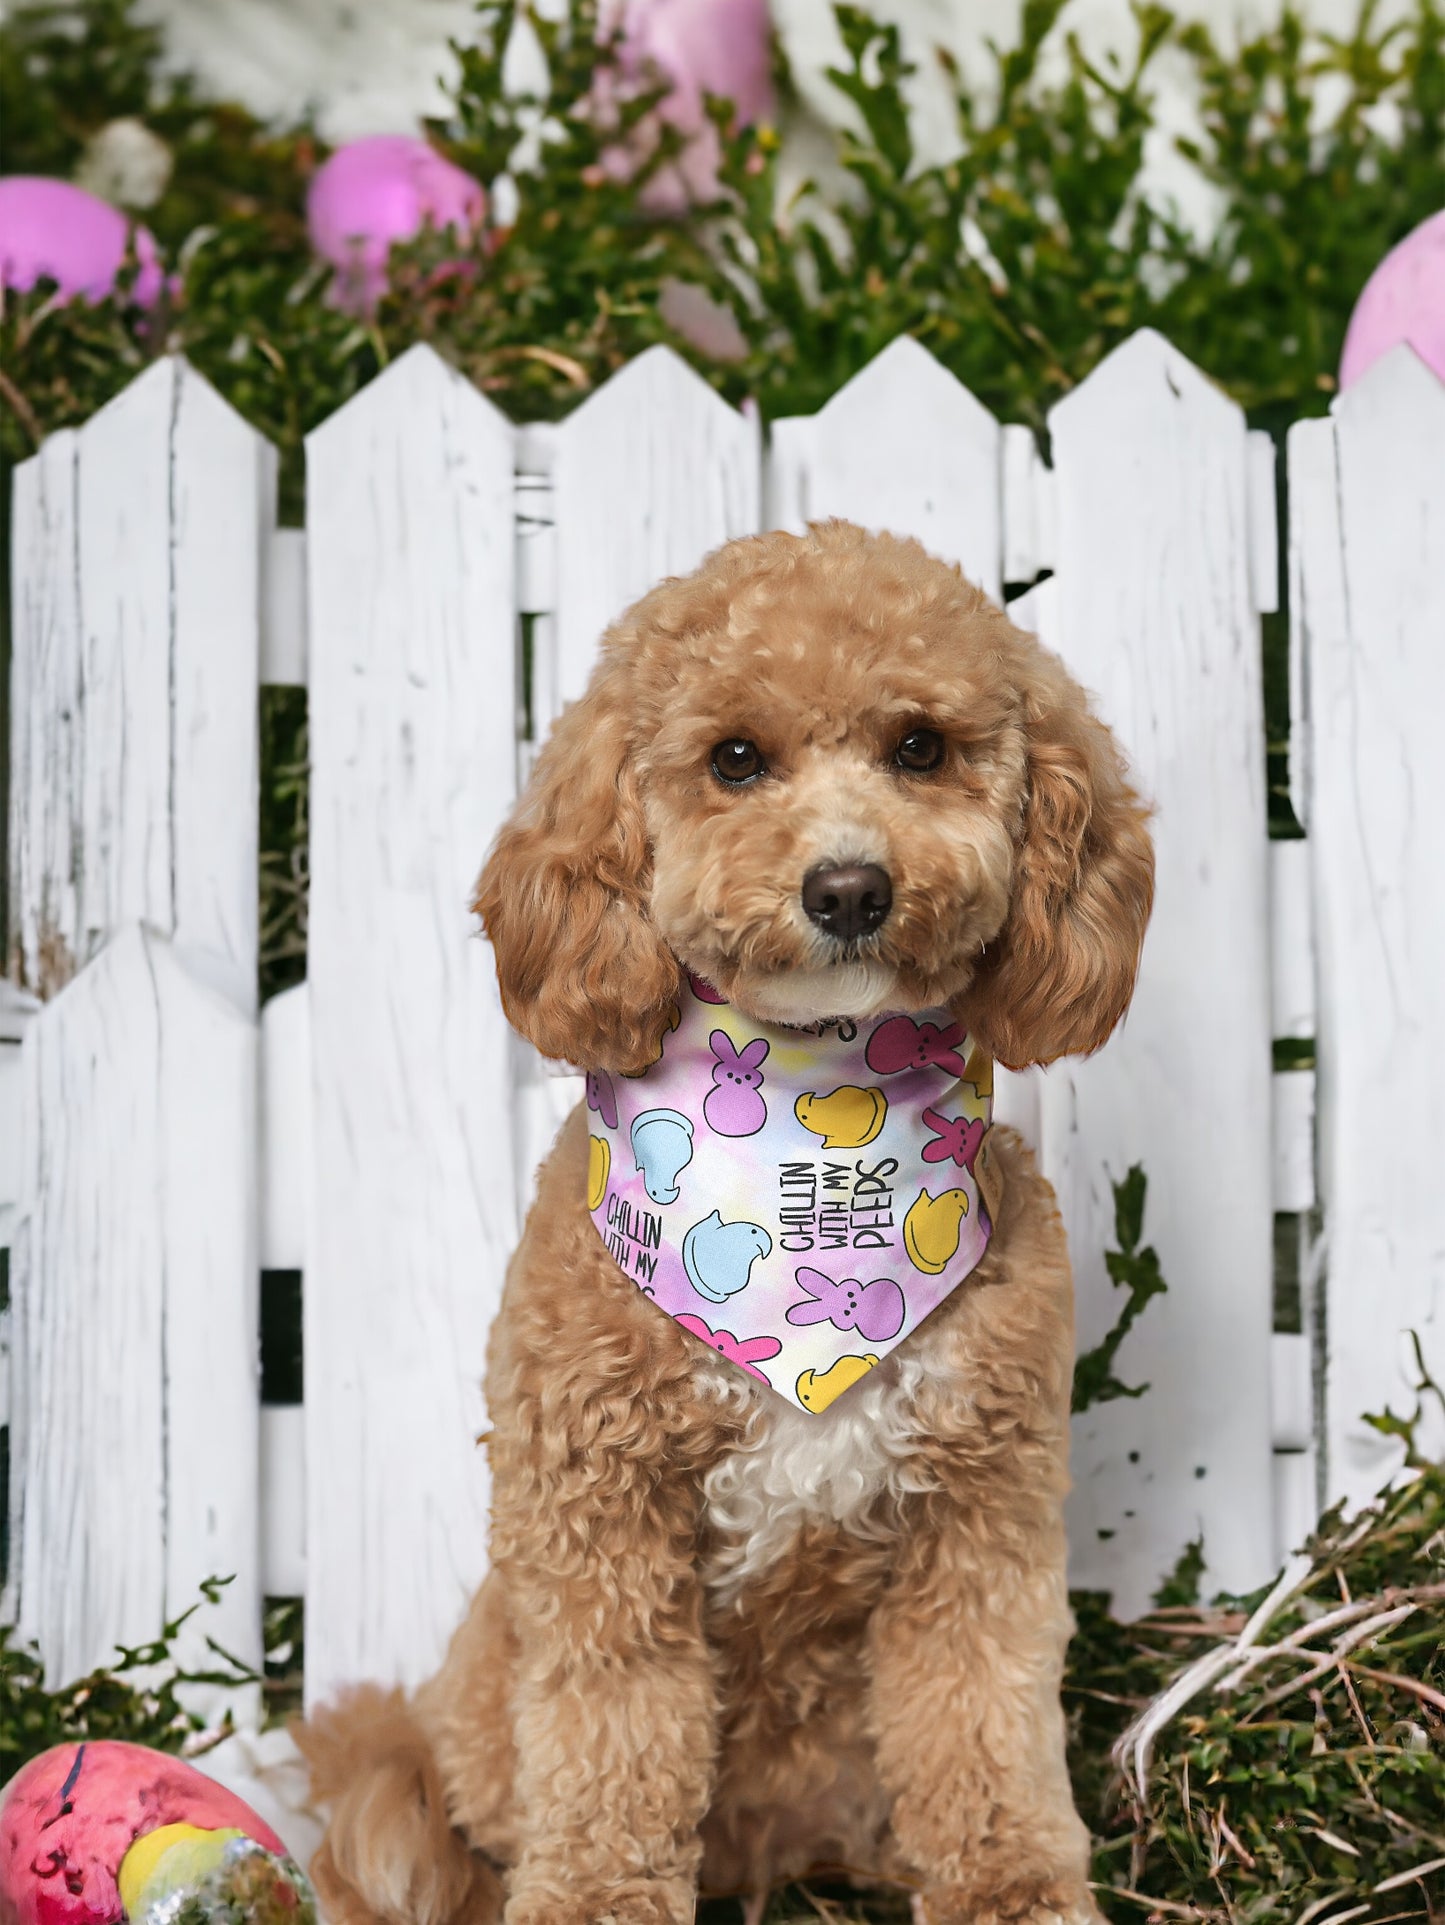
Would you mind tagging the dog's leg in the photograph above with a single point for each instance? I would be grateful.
(971, 1741)
(614, 1710)
(966, 1651)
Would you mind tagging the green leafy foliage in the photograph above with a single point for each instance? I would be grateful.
(1136, 1272)
(139, 1698)
(1020, 262)
(1318, 1778)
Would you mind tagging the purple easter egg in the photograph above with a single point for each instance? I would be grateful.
(1403, 300)
(52, 231)
(375, 192)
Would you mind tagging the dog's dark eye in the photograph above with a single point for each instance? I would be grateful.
(920, 750)
(737, 760)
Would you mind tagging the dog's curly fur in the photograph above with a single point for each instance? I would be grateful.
(721, 1640)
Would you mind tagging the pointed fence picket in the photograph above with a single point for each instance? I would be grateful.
(641, 482)
(903, 447)
(648, 476)
(413, 766)
(454, 578)
(1155, 615)
(1367, 490)
(133, 838)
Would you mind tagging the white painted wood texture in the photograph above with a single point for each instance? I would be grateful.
(285, 1171)
(649, 475)
(133, 1282)
(1155, 614)
(137, 547)
(410, 550)
(903, 447)
(397, 1142)
(45, 715)
(1368, 510)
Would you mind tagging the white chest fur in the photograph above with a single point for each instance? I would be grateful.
(794, 1467)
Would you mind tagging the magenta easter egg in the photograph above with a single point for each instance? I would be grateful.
(93, 1834)
(1403, 300)
(375, 192)
(51, 231)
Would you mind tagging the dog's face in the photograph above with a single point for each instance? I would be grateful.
(829, 777)
(831, 791)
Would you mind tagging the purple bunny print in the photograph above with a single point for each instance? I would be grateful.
(602, 1097)
(735, 1107)
(900, 1043)
(956, 1137)
(875, 1310)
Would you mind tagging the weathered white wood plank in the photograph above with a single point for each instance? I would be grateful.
(208, 1178)
(411, 553)
(283, 1500)
(1263, 521)
(221, 485)
(1291, 939)
(1369, 558)
(1292, 1096)
(903, 447)
(283, 598)
(1291, 1390)
(1154, 613)
(1296, 1503)
(133, 1437)
(650, 475)
(18, 1010)
(137, 591)
(46, 718)
(1028, 506)
(1316, 592)
(285, 1111)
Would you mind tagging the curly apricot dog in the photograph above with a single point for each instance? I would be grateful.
(724, 1640)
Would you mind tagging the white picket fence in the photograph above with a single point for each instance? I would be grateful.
(377, 1128)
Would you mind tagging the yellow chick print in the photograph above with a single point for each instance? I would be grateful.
(932, 1229)
(819, 1388)
(847, 1119)
(599, 1165)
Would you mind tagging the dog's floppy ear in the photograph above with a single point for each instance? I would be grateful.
(1060, 973)
(563, 897)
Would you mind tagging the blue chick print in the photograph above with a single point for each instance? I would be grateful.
(719, 1257)
(662, 1148)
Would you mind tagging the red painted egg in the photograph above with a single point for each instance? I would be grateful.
(98, 1833)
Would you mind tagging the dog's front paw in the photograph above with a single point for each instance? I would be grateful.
(641, 1901)
(1025, 1901)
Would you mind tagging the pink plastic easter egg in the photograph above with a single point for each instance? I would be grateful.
(68, 1819)
(375, 192)
(52, 231)
(702, 47)
(1403, 300)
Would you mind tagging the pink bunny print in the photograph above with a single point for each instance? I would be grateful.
(745, 1352)
(735, 1107)
(958, 1137)
(875, 1310)
(900, 1043)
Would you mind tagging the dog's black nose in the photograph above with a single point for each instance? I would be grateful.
(848, 903)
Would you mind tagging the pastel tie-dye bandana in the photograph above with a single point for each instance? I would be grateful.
(799, 1199)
